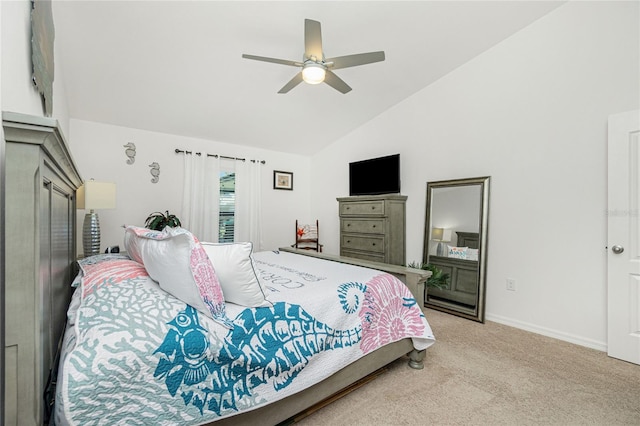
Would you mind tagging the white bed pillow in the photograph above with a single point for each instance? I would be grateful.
(472, 254)
(237, 276)
(176, 260)
(457, 252)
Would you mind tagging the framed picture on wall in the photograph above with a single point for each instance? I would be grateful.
(282, 180)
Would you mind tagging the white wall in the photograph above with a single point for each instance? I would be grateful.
(18, 92)
(532, 113)
(99, 151)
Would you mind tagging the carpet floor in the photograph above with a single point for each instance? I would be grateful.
(492, 374)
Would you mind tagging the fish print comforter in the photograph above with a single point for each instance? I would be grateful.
(133, 354)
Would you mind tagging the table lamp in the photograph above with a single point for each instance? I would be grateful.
(441, 235)
(93, 196)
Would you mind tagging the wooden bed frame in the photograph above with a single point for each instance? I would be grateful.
(413, 278)
(40, 223)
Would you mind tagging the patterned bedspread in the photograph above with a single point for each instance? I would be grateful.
(137, 355)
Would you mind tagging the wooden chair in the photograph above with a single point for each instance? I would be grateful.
(308, 237)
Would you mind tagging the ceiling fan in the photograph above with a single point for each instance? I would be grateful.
(315, 68)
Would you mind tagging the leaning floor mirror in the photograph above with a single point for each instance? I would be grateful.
(455, 246)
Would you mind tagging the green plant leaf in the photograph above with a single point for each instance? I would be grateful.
(158, 221)
(438, 279)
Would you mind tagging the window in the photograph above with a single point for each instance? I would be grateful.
(227, 206)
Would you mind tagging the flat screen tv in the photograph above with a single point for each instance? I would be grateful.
(375, 176)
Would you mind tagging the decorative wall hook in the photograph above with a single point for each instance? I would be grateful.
(155, 172)
(130, 152)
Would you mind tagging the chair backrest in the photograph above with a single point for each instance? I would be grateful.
(308, 236)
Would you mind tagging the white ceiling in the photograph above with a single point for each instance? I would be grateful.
(176, 67)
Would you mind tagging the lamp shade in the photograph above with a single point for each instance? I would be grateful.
(94, 195)
(441, 234)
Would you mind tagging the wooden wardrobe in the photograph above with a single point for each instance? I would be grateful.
(40, 247)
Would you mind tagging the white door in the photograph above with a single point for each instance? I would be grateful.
(623, 276)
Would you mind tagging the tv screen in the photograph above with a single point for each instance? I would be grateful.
(375, 176)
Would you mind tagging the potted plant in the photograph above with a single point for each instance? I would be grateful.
(158, 221)
(438, 279)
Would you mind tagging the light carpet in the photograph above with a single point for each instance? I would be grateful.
(492, 374)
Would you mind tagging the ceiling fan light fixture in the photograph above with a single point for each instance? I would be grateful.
(313, 73)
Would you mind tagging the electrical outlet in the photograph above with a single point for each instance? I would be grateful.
(511, 284)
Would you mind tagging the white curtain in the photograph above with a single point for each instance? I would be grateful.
(200, 196)
(248, 215)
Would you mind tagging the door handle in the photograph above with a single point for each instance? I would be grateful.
(617, 249)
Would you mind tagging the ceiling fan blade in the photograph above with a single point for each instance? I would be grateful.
(297, 79)
(274, 60)
(312, 40)
(336, 82)
(355, 60)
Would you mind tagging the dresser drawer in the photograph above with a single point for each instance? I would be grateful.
(363, 226)
(362, 208)
(363, 242)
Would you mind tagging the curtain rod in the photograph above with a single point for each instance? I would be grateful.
(180, 151)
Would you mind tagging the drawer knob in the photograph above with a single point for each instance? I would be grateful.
(374, 226)
(348, 241)
(373, 207)
(373, 244)
(348, 225)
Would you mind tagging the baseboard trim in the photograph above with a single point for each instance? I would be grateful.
(589, 343)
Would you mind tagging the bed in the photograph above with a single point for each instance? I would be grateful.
(133, 353)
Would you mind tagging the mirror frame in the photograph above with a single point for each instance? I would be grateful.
(483, 182)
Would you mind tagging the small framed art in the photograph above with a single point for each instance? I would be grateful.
(282, 180)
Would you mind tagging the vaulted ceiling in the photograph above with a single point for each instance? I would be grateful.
(176, 66)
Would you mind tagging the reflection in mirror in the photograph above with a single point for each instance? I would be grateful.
(455, 243)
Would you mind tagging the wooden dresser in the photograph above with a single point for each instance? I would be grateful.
(373, 228)
(40, 221)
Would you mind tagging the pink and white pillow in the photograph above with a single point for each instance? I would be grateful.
(176, 260)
